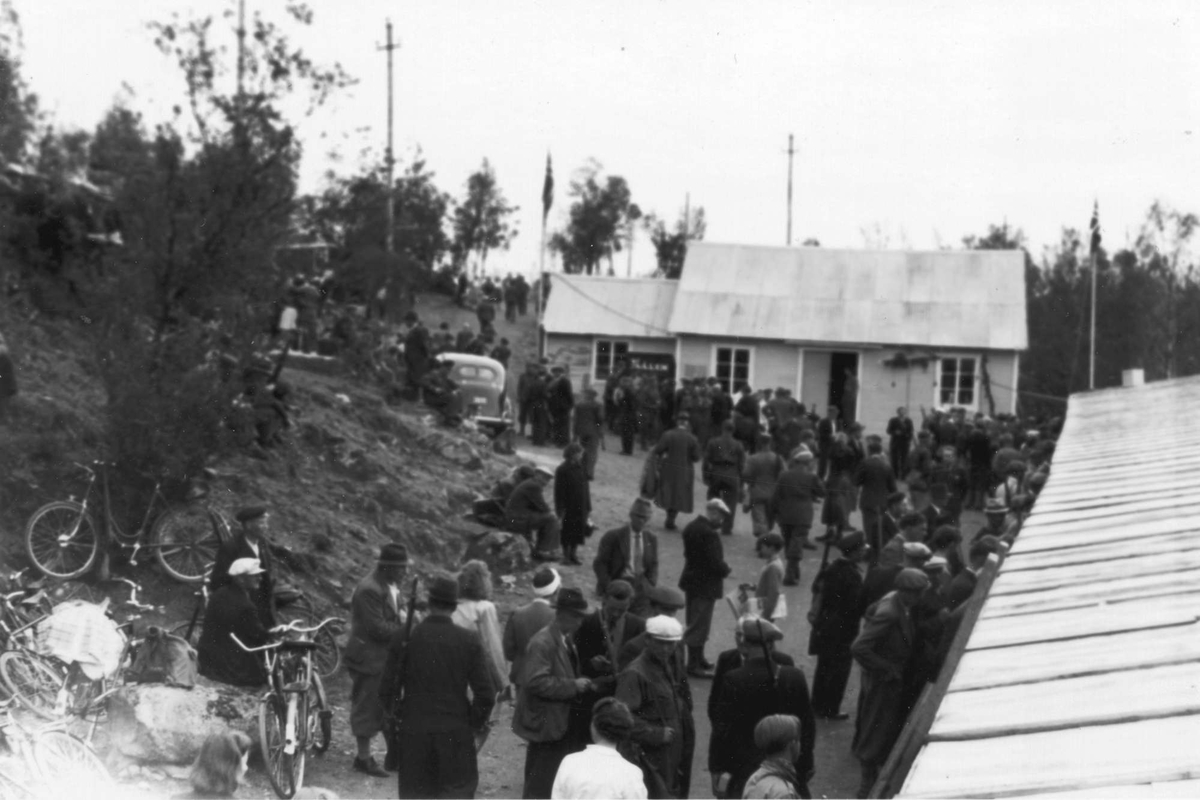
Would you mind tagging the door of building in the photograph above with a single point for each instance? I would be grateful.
(843, 384)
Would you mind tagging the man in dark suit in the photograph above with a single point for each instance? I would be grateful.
(758, 689)
(735, 657)
(425, 684)
(834, 617)
(702, 581)
(962, 586)
(551, 682)
(529, 514)
(375, 619)
(900, 435)
(589, 429)
(250, 542)
(232, 611)
(630, 553)
(530, 618)
(877, 481)
(604, 632)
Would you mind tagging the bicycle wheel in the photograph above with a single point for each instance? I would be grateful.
(327, 658)
(186, 542)
(61, 540)
(320, 717)
(32, 681)
(272, 724)
(68, 762)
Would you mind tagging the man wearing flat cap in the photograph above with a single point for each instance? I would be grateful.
(658, 694)
(834, 617)
(703, 580)
(758, 689)
(883, 650)
(630, 553)
(375, 619)
(250, 542)
(438, 686)
(231, 610)
(552, 680)
(662, 601)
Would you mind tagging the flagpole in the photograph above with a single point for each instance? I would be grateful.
(541, 292)
(1092, 339)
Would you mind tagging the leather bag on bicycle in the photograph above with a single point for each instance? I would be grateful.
(164, 658)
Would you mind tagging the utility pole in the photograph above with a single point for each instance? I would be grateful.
(241, 73)
(390, 159)
(790, 152)
(687, 216)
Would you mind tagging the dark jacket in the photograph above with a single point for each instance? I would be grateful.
(236, 548)
(746, 697)
(660, 698)
(724, 461)
(589, 419)
(704, 567)
(877, 481)
(883, 649)
(560, 396)
(440, 662)
(231, 611)
(959, 589)
(613, 558)
(374, 622)
(727, 662)
(572, 501)
(546, 688)
(879, 581)
(792, 502)
(522, 624)
(526, 501)
(594, 638)
(839, 587)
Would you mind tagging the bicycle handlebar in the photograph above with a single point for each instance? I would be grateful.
(241, 644)
(294, 626)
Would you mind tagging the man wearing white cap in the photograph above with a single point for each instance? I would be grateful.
(661, 702)
(703, 580)
(232, 611)
(530, 618)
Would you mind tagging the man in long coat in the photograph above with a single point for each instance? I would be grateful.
(834, 619)
(702, 581)
(572, 502)
(900, 435)
(375, 619)
(661, 701)
(589, 429)
(630, 553)
(560, 398)
(883, 650)
(724, 461)
(877, 481)
(678, 451)
(758, 689)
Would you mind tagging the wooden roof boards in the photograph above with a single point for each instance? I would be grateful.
(1081, 676)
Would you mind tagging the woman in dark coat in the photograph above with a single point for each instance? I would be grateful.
(572, 501)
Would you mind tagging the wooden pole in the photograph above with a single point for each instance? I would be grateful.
(390, 236)
(789, 193)
(1092, 338)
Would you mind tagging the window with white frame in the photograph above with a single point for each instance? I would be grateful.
(608, 354)
(732, 367)
(957, 382)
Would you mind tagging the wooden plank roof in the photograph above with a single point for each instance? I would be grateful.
(1082, 675)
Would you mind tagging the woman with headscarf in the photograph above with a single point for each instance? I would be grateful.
(476, 612)
(572, 501)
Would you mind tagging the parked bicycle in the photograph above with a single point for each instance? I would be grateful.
(63, 538)
(294, 716)
(47, 763)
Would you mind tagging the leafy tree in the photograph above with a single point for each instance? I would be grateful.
(19, 113)
(483, 221)
(670, 246)
(597, 220)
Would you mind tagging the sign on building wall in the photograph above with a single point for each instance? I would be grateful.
(659, 365)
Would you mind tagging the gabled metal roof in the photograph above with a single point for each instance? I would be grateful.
(945, 298)
(609, 306)
(1081, 677)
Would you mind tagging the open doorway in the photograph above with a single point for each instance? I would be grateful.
(843, 385)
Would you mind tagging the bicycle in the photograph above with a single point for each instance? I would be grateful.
(287, 727)
(53, 763)
(63, 540)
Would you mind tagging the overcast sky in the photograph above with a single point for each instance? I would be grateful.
(924, 121)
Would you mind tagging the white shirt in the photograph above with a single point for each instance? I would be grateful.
(599, 771)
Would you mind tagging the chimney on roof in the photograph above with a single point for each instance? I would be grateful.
(1133, 377)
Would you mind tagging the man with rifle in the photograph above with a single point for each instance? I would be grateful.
(437, 687)
(758, 689)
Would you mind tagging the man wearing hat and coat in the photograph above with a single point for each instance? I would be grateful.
(375, 619)
(751, 692)
(883, 650)
(703, 580)
(678, 451)
(877, 481)
(658, 694)
(792, 507)
(630, 553)
(724, 462)
(552, 679)
(834, 617)
(231, 610)
(530, 618)
(437, 685)
(250, 542)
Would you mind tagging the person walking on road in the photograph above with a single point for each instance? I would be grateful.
(760, 475)
(724, 463)
(878, 482)
(589, 430)
(792, 506)
(702, 581)
(678, 452)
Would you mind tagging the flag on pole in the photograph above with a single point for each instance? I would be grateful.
(1095, 229)
(548, 189)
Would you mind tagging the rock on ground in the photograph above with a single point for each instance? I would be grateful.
(504, 553)
(163, 724)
